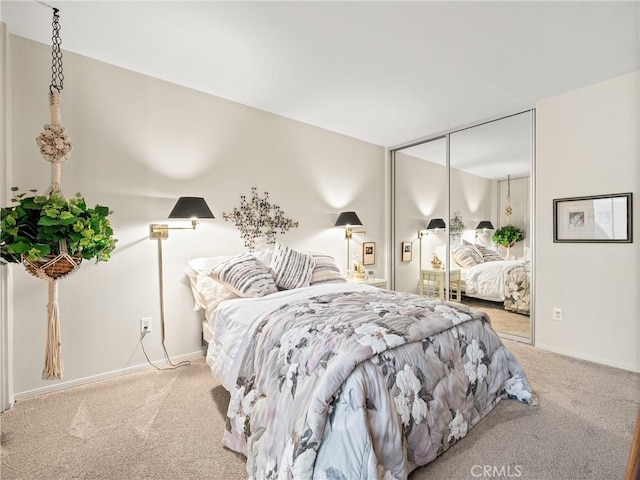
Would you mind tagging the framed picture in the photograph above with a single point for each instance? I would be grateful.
(368, 253)
(595, 219)
(406, 251)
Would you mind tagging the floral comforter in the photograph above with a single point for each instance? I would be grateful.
(517, 289)
(365, 384)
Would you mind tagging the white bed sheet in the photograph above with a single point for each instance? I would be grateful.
(486, 280)
(233, 322)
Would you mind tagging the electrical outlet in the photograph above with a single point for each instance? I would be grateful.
(557, 314)
(145, 325)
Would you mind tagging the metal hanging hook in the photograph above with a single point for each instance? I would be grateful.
(57, 75)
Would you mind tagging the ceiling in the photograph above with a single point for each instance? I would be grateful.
(383, 72)
(491, 150)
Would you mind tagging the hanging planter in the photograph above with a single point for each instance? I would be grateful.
(47, 233)
(508, 236)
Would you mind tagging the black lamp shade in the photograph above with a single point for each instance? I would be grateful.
(485, 225)
(348, 219)
(436, 223)
(191, 207)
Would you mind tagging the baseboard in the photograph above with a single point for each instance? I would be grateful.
(102, 376)
(589, 358)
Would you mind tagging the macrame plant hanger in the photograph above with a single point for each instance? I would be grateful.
(508, 211)
(55, 147)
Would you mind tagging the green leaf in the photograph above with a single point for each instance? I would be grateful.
(20, 247)
(48, 221)
(102, 211)
(29, 204)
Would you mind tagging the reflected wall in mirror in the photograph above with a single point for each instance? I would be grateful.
(488, 170)
(420, 196)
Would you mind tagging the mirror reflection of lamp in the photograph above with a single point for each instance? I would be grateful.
(193, 208)
(434, 226)
(348, 220)
(484, 227)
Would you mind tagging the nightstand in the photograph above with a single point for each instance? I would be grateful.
(375, 282)
(432, 284)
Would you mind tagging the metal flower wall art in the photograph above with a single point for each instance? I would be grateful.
(259, 218)
(456, 225)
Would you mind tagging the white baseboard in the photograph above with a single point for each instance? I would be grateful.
(102, 376)
(589, 358)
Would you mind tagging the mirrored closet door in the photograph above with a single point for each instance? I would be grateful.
(462, 203)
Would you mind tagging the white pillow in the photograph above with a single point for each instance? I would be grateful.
(245, 275)
(205, 264)
(207, 293)
(264, 256)
(291, 269)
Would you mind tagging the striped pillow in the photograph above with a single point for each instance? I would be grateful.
(489, 254)
(467, 256)
(326, 270)
(291, 269)
(245, 275)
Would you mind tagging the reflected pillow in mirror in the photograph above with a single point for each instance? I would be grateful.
(467, 256)
(489, 254)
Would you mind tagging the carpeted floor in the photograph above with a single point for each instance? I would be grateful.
(168, 425)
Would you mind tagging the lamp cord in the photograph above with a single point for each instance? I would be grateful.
(172, 365)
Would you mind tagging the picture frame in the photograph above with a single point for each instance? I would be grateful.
(368, 253)
(593, 219)
(407, 248)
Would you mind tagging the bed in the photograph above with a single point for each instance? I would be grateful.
(337, 380)
(486, 275)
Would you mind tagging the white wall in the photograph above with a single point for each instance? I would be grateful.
(587, 144)
(140, 143)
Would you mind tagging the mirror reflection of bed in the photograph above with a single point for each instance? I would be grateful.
(469, 178)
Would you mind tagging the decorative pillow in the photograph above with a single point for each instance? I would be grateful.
(291, 269)
(205, 264)
(489, 254)
(326, 270)
(245, 275)
(467, 256)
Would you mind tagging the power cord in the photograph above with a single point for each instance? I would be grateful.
(172, 366)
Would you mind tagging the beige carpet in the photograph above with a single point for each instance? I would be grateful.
(168, 425)
(502, 320)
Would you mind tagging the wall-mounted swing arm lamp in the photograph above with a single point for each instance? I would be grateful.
(435, 224)
(348, 220)
(186, 207)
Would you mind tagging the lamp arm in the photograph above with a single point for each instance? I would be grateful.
(161, 230)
